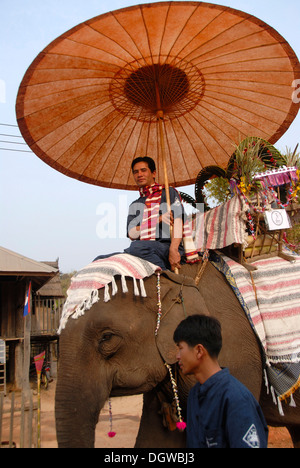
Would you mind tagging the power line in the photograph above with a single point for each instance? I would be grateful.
(14, 136)
(8, 142)
(12, 142)
(18, 151)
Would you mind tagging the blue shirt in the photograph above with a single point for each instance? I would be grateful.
(223, 413)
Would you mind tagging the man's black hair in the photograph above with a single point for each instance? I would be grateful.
(146, 159)
(200, 329)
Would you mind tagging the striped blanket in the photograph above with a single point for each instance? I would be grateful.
(270, 296)
(83, 291)
(222, 226)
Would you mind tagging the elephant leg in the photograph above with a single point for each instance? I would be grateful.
(152, 433)
(295, 435)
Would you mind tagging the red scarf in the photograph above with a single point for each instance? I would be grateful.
(151, 211)
(151, 216)
(150, 190)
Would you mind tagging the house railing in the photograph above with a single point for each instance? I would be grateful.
(46, 315)
(2, 366)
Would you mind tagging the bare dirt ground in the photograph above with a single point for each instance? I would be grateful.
(126, 417)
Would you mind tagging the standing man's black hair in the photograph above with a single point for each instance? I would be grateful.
(200, 329)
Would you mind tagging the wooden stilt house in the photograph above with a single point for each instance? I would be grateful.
(16, 272)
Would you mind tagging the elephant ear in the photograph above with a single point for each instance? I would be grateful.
(174, 310)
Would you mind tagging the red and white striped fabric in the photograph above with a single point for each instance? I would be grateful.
(83, 291)
(222, 226)
(151, 213)
(273, 301)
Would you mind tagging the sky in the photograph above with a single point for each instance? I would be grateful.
(45, 215)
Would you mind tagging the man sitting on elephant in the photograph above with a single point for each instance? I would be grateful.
(157, 233)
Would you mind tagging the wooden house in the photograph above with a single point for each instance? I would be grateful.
(16, 272)
(47, 304)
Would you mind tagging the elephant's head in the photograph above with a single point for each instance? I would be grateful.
(112, 350)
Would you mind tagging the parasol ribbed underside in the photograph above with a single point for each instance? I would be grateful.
(142, 91)
(87, 105)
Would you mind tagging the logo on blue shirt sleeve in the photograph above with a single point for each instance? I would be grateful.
(251, 437)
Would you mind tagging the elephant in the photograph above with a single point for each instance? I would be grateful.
(112, 350)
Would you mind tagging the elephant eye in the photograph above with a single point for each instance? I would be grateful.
(105, 337)
(108, 344)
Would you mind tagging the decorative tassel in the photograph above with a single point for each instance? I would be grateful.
(273, 395)
(181, 425)
(114, 286)
(124, 285)
(292, 402)
(143, 290)
(289, 393)
(266, 381)
(111, 433)
(135, 287)
(106, 293)
(94, 296)
(280, 407)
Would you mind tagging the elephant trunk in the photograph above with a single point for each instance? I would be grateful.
(75, 428)
(78, 401)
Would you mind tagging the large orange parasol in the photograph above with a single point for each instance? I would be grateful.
(179, 81)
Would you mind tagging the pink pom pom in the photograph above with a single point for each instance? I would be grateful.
(181, 425)
(111, 434)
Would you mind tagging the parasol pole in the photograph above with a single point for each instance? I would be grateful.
(162, 143)
(160, 118)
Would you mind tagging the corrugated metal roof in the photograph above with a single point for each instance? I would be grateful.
(14, 263)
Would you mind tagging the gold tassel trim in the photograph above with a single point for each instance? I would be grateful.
(290, 392)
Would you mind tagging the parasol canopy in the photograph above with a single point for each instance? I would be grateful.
(90, 102)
